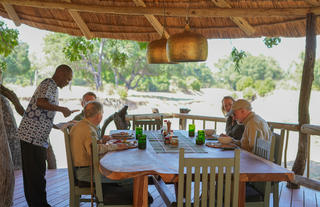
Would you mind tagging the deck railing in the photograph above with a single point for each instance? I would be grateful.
(288, 127)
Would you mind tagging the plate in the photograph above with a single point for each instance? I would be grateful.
(131, 144)
(212, 137)
(122, 135)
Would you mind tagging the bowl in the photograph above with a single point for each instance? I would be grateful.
(225, 140)
(209, 132)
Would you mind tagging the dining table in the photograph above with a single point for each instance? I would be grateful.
(163, 160)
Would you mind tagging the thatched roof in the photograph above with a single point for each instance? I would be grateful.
(142, 20)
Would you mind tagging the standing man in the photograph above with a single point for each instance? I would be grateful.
(34, 131)
(253, 123)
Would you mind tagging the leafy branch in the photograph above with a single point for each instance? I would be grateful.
(8, 39)
(271, 41)
(237, 58)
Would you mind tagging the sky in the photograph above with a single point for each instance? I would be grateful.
(287, 51)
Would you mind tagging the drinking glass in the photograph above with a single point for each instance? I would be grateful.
(191, 130)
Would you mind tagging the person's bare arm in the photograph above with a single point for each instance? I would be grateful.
(44, 104)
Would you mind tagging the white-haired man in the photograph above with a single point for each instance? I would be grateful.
(254, 124)
(81, 137)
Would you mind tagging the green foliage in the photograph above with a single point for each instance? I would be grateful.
(3, 66)
(237, 58)
(249, 93)
(194, 83)
(264, 86)
(244, 83)
(122, 92)
(18, 65)
(253, 68)
(9, 40)
(181, 83)
(271, 41)
(122, 63)
(296, 76)
(77, 48)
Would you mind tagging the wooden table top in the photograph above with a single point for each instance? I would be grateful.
(135, 162)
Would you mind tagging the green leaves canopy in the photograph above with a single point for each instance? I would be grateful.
(252, 70)
(8, 39)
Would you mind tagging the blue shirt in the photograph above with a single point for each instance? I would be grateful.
(37, 123)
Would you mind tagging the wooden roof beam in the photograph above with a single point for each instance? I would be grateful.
(313, 2)
(12, 13)
(79, 21)
(175, 12)
(240, 21)
(81, 24)
(153, 20)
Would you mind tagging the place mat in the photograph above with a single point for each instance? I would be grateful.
(157, 143)
(221, 146)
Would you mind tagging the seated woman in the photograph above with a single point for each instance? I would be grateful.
(233, 129)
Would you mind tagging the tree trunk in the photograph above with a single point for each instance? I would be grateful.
(10, 126)
(305, 91)
(183, 122)
(13, 98)
(6, 170)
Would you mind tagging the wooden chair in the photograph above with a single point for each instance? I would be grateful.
(109, 195)
(77, 188)
(152, 124)
(258, 193)
(279, 139)
(220, 175)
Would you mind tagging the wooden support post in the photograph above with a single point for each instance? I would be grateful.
(183, 122)
(305, 91)
(140, 191)
(308, 157)
(286, 148)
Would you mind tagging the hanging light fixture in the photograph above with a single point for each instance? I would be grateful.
(187, 46)
(156, 50)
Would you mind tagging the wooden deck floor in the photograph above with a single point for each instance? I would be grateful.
(58, 192)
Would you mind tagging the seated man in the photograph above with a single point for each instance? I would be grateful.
(86, 98)
(254, 124)
(80, 142)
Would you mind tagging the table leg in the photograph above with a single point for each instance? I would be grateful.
(242, 194)
(140, 191)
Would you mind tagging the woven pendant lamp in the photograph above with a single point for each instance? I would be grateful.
(156, 51)
(187, 47)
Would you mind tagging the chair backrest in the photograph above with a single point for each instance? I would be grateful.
(279, 140)
(264, 148)
(71, 170)
(218, 175)
(151, 124)
(96, 172)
